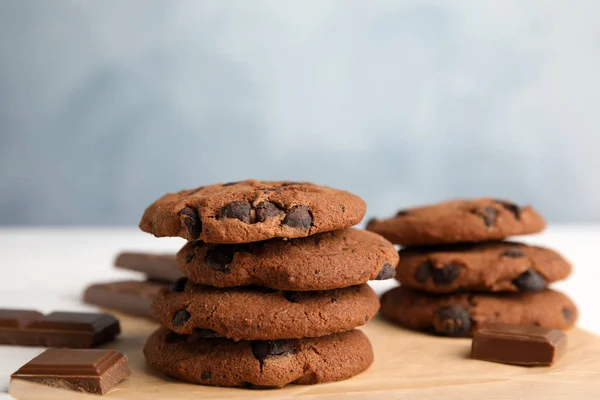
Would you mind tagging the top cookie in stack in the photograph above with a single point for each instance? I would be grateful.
(456, 272)
(275, 267)
(251, 211)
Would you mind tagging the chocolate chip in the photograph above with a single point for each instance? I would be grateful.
(342, 207)
(513, 208)
(178, 285)
(298, 217)
(263, 349)
(423, 272)
(236, 210)
(387, 272)
(181, 317)
(191, 220)
(174, 337)
(567, 313)
(252, 386)
(513, 252)
(488, 214)
(452, 321)
(220, 256)
(205, 375)
(530, 281)
(447, 274)
(202, 332)
(266, 210)
(402, 213)
(231, 183)
(291, 296)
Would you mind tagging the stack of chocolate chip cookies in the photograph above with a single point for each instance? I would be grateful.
(457, 274)
(275, 283)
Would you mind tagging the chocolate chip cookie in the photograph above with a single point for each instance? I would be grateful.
(251, 211)
(256, 313)
(323, 261)
(458, 221)
(258, 364)
(462, 314)
(489, 267)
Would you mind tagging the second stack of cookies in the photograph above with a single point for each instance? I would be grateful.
(457, 273)
(275, 283)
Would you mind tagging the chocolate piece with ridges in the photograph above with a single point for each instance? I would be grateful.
(528, 345)
(129, 297)
(58, 329)
(159, 267)
(94, 371)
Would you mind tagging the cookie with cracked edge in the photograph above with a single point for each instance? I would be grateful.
(259, 364)
(462, 314)
(323, 261)
(251, 211)
(257, 313)
(458, 221)
(487, 267)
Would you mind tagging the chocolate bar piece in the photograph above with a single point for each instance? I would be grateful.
(130, 297)
(518, 344)
(58, 329)
(85, 370)
(160, 267)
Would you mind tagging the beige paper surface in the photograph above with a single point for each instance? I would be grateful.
(407, 365)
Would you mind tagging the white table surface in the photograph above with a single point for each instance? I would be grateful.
(47, 269)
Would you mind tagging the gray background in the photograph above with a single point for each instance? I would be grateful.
(105, 105)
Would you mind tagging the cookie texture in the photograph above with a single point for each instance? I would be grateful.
(458, 221)
(258, 364)
(489, 267)
(462, 314)
(323, 261)
(250, 211)
(256, 313)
